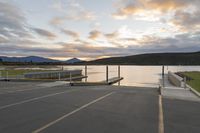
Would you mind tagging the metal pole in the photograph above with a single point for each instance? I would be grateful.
(86, 73)
(107, 73)
(184, 82)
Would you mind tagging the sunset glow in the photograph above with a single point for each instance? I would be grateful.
(89, 29)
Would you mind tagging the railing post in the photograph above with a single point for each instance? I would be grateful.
(59, 76)
(7, 75)
(107, 73)
(184, 79)
(70, 77)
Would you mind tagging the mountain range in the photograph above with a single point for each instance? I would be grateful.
(37, 59)
(192, 58)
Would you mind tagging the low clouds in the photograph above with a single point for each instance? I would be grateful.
(3, 39)
(70, 33)
(183, 14)
(112, 35)
(11, 16)
(44, 33)
(74, 12)
(94, 34)
(86, 49)
(12, 22)
(187, 21)
(130, 7)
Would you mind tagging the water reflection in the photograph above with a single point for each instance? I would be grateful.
(147, 76)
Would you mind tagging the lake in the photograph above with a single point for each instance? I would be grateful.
(133, 75)
(147, 76)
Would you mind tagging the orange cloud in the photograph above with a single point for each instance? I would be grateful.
(94, 34)
(141, 6)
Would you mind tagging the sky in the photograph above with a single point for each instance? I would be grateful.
(91, 29)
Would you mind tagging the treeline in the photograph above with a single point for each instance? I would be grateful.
(152, 59)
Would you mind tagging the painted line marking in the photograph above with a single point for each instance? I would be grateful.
(8, 92)
(40, 87)
(160, 117)
(34, 99)
(71, 113)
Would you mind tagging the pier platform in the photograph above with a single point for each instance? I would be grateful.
(104, 82)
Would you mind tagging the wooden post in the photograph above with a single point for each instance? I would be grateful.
(107, 73)
(119, 74)
(86, 73)
(118, 71)
(163, 74)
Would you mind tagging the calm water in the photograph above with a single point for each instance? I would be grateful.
(133, 75)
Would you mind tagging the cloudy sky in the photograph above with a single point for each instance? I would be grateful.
(90, 29)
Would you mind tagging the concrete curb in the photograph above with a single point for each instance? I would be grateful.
(193, 90)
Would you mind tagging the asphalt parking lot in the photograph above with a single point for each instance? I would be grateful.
(31, 107)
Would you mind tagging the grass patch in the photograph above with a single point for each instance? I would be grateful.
(195, 82)
(13, 73)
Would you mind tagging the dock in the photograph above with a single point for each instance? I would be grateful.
(104, 82)
(52, 74)
(48, 76)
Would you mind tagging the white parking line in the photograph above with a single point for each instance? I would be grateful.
(69, 114)
(38, 87)
(7, 92)
(161, 121)
(34, 99)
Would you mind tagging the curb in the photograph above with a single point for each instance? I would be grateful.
(193, 90)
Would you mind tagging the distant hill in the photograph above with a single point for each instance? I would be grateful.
(37, 59)
(192, 58)
(73, 60)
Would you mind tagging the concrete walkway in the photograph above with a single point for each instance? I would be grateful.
(171, 91)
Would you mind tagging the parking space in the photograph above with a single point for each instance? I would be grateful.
(88, 109)
(82, 109)
(181, 116)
